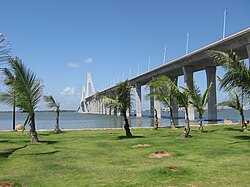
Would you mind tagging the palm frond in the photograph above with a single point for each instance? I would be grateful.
(123, 96)
(4, 49)
(232, 102)
(163, 90)
(206, 94)
(51, 102)
(228, 60)
(237, 73)
(27, 86)
(9, 78)
(7, 98)
(110, 102)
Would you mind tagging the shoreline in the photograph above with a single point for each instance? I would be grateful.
(93, 129)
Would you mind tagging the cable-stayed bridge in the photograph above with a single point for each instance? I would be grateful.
(186, 65)
(87, 91)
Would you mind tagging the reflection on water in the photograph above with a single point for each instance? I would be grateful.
(74, 120)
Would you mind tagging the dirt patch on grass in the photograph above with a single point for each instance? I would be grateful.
(7, 184)
(142, 145)
(173, 169)
(159, 154)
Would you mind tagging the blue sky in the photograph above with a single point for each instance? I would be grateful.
(62, 40)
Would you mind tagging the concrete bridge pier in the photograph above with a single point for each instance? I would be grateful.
(94, 107)
(212, 99)
(248, 51)
(188, 81)
(102, 108)
(90, 107)
(138, 101)
(154, 104)
(99, 107)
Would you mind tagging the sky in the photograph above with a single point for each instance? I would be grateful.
(62, 40)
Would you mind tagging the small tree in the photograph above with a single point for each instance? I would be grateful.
(199, 101)
(236, 77)
(163, 90)
(234, 102)
(52, 103)
(120, 100)
(183, 101)
(28, 91)
(123, 97)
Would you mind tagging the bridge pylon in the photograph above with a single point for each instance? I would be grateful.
(87, 91)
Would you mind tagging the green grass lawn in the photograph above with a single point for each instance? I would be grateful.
(218, 157)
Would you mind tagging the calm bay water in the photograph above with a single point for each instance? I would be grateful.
(74, 120)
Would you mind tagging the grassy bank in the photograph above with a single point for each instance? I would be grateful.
(218, 157)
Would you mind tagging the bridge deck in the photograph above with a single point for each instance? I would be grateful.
(196, 59)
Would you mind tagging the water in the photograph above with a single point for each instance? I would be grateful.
(74, 120)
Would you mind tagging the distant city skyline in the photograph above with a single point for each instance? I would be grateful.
(62, 40)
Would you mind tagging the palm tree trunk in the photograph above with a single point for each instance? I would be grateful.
(57, 130)
(187, 127)
(14, 114)
(156, 124)
(171, 117)
(33, 134)
(201, 126)
(110, 108)
(115, 110)
(126, 125)
(244, 124)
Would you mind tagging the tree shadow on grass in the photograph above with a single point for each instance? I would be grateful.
(4, 141)
(51, 132)
(242, 137)
(6, 154)
(43, 141)
(125, 137)
(48, 141)
(232, 129)
(208, 131)
(44, 134)
(46, 153)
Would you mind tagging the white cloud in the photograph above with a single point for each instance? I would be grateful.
(68, 91)
(88, 60)
(73, 65)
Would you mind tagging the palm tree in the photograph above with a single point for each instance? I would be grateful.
(120, 100)
(52, 103)
(234, 102)
(183, 101)
(237, 76)
(199, 101)
(167, 88)
(28, 91)
(163, 90)
(123, 98)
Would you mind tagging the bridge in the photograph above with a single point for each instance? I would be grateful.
(186, 65)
